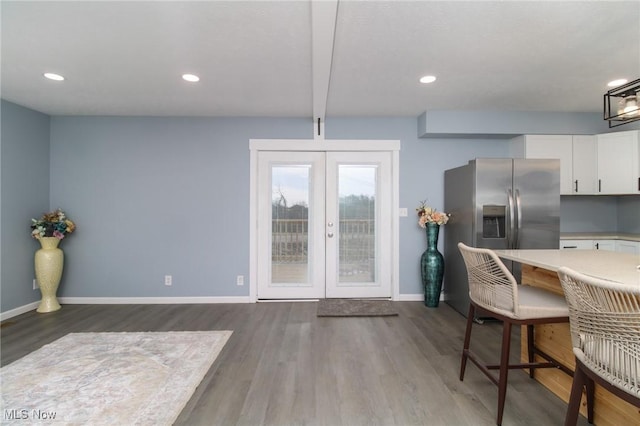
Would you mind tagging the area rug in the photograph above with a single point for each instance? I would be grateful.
(355, 308)
(108, 378)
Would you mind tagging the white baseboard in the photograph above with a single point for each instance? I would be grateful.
(415, 298)
(160, 301)
(19, 310)
(151, 300)
(410, 297)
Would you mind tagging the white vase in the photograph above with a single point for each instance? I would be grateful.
(49, 261)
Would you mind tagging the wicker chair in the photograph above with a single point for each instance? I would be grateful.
(605, 333)
(494, 292)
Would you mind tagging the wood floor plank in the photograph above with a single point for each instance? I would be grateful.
(283, 365)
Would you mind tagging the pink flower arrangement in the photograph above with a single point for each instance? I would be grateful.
(428, 214)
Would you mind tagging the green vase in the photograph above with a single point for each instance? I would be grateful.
(432, 267)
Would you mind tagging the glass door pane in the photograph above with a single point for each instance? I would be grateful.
(357, 224)
(290, 223)
(291, 254)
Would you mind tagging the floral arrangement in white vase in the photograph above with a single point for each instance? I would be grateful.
(52, 224)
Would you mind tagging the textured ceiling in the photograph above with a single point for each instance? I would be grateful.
(257, 59)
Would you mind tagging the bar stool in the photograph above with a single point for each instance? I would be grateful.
(494, 292)
(605, 334)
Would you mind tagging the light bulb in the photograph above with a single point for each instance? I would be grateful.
(630, 108)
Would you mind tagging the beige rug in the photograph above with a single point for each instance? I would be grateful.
(108, 378)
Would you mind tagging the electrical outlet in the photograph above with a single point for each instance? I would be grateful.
(167, 280)
(403, 212)
(35, 284)
(240, 280)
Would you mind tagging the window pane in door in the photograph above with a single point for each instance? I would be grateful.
(357, 218)
(290, 224)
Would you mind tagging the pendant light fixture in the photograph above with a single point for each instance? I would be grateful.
(621, 104)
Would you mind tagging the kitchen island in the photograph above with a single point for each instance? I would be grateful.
(539, 269)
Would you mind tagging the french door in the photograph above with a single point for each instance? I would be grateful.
(324, 224)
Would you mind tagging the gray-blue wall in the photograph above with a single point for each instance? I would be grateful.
(24, 193)
(156, 196)
(170, 196)
(629, 214)
(600, 214)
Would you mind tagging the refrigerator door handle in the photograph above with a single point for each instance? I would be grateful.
(518, 220)
(511, 233)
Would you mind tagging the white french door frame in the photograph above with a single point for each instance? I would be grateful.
(257, 145)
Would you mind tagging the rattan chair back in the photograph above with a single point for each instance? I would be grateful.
(491, 285)
(604, 317)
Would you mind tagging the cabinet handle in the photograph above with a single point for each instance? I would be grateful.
(577, 185)
(638, 184)
(569, 247)
(599, 185)
(597, 246)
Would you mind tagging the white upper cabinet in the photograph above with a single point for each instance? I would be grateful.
(606, 164)
(577, 155)
(585, 165)
(619, 163)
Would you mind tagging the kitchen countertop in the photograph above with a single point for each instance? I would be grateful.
(599, 236)
(609, 265)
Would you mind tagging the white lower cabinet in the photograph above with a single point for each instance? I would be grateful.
(576, 244)
(623, 246)
(632, 247)
(609, 245)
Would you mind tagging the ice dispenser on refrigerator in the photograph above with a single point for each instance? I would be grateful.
(493, 221)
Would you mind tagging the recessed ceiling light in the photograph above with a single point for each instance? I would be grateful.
(53, 76)
(190, 77)
(428, 79)
(618, 82)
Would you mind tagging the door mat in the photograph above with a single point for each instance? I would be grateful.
(355, 308)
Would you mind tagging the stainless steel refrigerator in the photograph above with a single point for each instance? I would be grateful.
(498, 204)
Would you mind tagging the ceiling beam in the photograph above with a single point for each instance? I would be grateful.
(323, 26)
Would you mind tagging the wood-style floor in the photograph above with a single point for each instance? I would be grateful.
(285, 366)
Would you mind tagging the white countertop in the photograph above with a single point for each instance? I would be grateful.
(615, 266)
(599, 236)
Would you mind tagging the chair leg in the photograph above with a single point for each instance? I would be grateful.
(504, 369)
(591, 388)
(467, 340)
(530, 348)
(573, 409)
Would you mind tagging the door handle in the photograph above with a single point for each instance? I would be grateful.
(518, 219)
(511, 220)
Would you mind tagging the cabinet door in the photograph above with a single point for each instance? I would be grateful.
(554, 146)
(576, 244)
(632, 247)
(585, 165)
(609, 245)
(618, 160)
